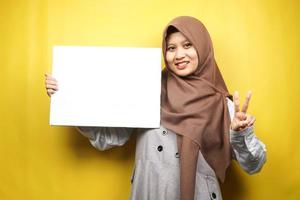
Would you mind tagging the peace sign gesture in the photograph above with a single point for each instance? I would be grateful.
(241, 119)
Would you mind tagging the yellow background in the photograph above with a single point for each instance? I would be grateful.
(256, 46)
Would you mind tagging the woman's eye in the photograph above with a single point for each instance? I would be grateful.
(171, 48)
(187, 45)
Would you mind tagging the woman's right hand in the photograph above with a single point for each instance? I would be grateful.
(51, 84)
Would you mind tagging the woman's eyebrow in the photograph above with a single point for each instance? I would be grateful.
(183, 41)
(186, 40)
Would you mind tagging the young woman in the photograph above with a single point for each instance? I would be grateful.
(201, 130)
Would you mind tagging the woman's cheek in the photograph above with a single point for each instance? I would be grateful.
(169, 59)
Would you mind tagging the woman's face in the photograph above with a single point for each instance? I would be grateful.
(181, 55)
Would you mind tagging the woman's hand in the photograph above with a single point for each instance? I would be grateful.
(241, 119)
(51, 84)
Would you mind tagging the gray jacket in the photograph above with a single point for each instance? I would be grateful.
(156, 175)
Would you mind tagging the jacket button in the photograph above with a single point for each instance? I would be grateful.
(213, 195)
(159, 148)
(164, 132)
(177, 155)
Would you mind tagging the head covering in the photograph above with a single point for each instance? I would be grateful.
(195, 108)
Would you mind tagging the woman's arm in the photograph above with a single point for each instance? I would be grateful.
(103, 138)
(248, 150)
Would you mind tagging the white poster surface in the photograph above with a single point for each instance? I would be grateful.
(106, 86)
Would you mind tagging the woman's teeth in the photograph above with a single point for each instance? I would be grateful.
(182, 64)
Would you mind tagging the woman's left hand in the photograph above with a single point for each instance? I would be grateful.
(241, 119)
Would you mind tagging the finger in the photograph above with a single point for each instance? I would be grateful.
(49, 77)
(50, 92)
(236, 102)
(248, 119)
(241, 124)
(246, 104)
(51, 82)
(53, 87)
(236, 124)
(240, 116)
(252, 122)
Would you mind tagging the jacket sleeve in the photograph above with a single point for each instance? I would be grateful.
(248, 150)
(104, 138)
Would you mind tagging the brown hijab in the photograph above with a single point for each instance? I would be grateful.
(195, 108)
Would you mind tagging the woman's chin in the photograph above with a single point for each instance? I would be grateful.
(182, 73)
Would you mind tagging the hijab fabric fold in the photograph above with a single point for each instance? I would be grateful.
(195, 108)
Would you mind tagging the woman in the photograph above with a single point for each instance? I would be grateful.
(201, 129)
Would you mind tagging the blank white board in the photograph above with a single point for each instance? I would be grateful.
(106, 86)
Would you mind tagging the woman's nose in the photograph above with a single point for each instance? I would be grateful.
(179, 54)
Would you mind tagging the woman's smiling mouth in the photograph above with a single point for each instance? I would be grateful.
(182, 65)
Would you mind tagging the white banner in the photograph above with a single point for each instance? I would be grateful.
(106, 86)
